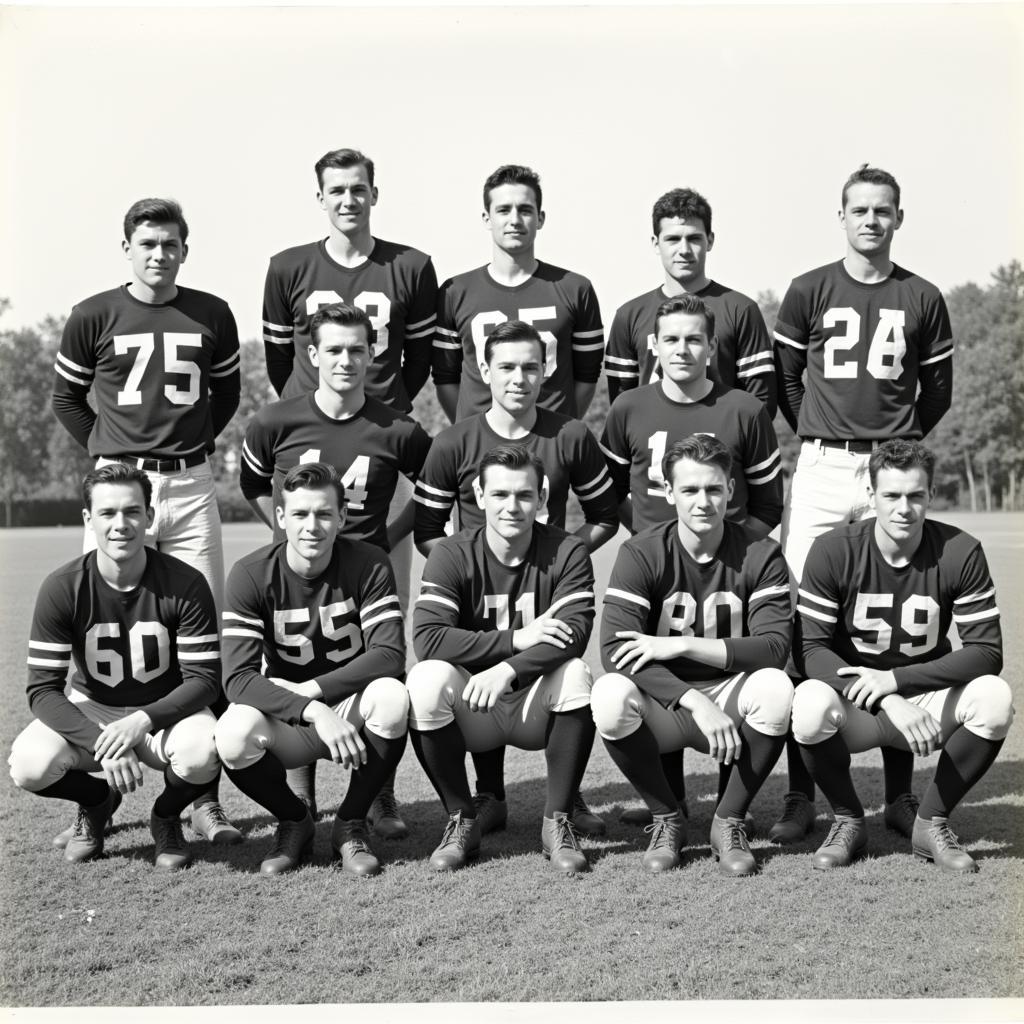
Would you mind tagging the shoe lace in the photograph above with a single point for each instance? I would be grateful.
(215, 815)
(454, 831)
(169, 833)
(793, 807)
(841, 832)
(733, 835)
(356, 837)
(566, 834)
(84, 825)
(386, 804)
(662, 833)
(945, 838)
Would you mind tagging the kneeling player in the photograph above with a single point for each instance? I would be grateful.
(142, 630)
(694, 635)
(504, 615)
(322, 612)
(875, 605)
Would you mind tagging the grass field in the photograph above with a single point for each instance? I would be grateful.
(115, 933)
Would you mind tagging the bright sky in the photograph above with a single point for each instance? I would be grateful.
(764, 109)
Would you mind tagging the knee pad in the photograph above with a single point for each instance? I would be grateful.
(32, 767)
(234, 735)
(987, 706)
(615, 704)
(817, 712)
(384, 707)
(193, 756)
(766, 701)
(430, 685)
(574, 685)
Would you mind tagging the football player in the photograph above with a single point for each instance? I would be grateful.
(500, 627)
(681, 222)
(695, 631)
(313, 637)
(515, 285)
(877, 599)
(371, 445)
(162, 364)
(513, 368)
(863, 353)
(140, 627)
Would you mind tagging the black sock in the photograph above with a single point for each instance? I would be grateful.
(302, 781)
(442, 753)
(79, 787)
(570, 737)
(178, 794)
(265, 783)
(724, 774)
(382, 757)
(747, 774)
(490, 771)
(898, 769)
(963, 761)
(636, 756)
(829, 765)
(672, 766)
(800, 780)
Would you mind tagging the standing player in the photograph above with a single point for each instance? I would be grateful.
(141, 629)
(681, 221)
(877, 600)
(162, 362)
(369, 443)
(321, 613)
(515, 285)
(875, 343)
(694, 634)
(500, 626)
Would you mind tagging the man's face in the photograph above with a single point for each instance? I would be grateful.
(342, 355)
(311, 519)
(513, 218)
(870, 218)
(514, 374)
(156, 253)
(348, 197)
(700, 493)
(901, 498)
(683, 246)
(509, 499)
(683, 347)
(118, 518)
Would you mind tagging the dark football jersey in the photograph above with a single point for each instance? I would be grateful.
(743, 358)
(343, 628)
(560, 304)
(153, 368)
(644, 422)
(854, 608)
(741, 597)
(368, 450)
(866, 348)
(470, 604)
(567, 449)
(397, 288)
(154, 647)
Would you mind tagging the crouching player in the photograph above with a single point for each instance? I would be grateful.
(141, 628)
(875, 606)
(321, 611)
(504, 615)
(694, 635)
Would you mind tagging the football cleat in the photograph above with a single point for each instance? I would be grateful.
(668, 837)
(383, 816)
(901, 814)
(847, 840)
(584, 820)
(935, 841)
(560, 843)
(796, 820)
(211, 823)
(491, 813)
(641, 816)
(459, 844)
(61, 839)
(86, 841)
(730, 847)
(293, 843)
(172, 853)
(350, 844)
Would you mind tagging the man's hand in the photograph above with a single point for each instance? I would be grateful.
(116, 739)
(340, 736)
(870, 686)
(921, 731)
(541, 631)
(724, 743)
(310, 688)
(123, 773)
(485, 688)
(640, 648)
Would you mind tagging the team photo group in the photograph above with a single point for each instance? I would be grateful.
(871, 625)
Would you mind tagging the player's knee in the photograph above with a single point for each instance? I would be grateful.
(574, 686)
(34, 766)
(817, 712)
(432, 686)
(193, 752)
(614, 703)
(766, 701)
(988, 707)
(235, 735)
(384, 706)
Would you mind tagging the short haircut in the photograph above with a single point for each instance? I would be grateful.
(701, 448)
(513, 174)
(344, 316)
(684, 203)
(511, 456)
(512, 330)
(901, 454)
(156, 211)
(340, 159)
(691, 304)
(872, 176)
(116, 473)
(313, 476)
